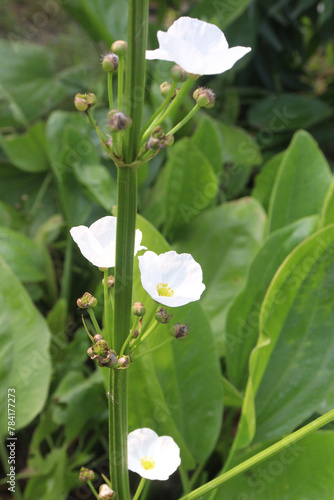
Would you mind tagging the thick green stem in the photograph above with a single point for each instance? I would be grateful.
(263, 455)
(140, 488)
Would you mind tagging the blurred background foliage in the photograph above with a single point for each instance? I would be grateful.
(54, 174)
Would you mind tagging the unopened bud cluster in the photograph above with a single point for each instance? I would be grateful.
(86, 301)
(86, 475)
(118, 121)
(159, 140)
(83, 102)
(179, 330)
(162, 316)
(138, 309)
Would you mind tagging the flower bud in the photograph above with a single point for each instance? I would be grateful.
(105, 492)
(120, 47)
(165, 88)
(86, 475)
(110, 281)
(118, 121)
(135, 334)
(178, 74)
(110, 62)
(138, 309)
(204, 97)
(86, 301)
(162, 316)
(123, 362)
(83, 102)
(113, 360)
(179, 330)
(159, 140)
(98, 337)
(101, 352)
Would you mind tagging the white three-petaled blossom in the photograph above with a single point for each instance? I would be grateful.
(170, 278)
(151, 456)
(198, 47)
(98, 242)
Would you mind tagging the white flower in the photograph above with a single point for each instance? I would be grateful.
(98, 242)
(170, 278)
(198, 47)
(151, 456)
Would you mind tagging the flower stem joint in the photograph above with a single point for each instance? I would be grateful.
(118, 121)
(86, 301)
(162, 316)
(179, 330)
(86, 475)
(110, 62)
(204, 97)
(83, 102)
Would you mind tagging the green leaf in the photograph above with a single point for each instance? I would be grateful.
(25, 258)
(327, 214)
(28, 86)
(190, 185)
(103, 20)
(287, 112)
(224, 240)
(27, 151)
(232, 397)
(24, 356)
(302, 471)
(98, 183)
(242, 324)
(241, 154)
(177, 389)
(10, 217)
(207, 139)
(265, 180)
(297, 316)
(301, 184)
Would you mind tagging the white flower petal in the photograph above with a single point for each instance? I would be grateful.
(178, 272)
(98, 242)
(198, 47)
(145, 444)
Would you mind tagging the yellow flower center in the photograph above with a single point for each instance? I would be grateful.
(164, 290)
(147, 463)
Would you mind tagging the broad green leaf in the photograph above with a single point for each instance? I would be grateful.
(301, 184)
(223, 240)
(29, 87)
(265, 180)
(27, 151)
(49, 483)
(242, 324)
(294, 356)
(25, 258)
(10, 217)
(190, 185)
(177, 389)
(287, 112)
(240, 154)
(207, 139)
(24, 355)
(103, 20)
(232, 397)
(297, 316)
(327, 214)
(303, 471)
(98, 183)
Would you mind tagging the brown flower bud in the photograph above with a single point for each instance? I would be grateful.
(110, 62)
(179, 330)
(162, 316)
(106, 493)
(118, 121)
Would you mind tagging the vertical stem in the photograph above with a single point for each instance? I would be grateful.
(125, 237)
(120, 83)
(110, 92)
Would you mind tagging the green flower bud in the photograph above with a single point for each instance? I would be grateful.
(178, 74)
(110, 62)
(83, 102)
(162, 316)
(204, 97)
(118, 121)
(86, 475)
(86, 301)
(165, 88)
(120, 47)
(179, 330)
(138, 309)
